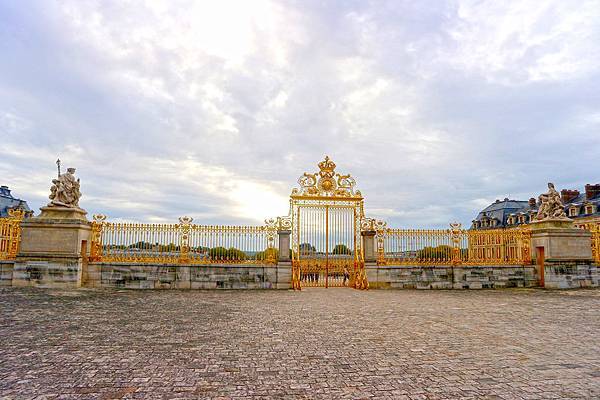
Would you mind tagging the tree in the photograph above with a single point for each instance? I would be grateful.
(269, 254)
(221, 253)
(306, 248)
(341, 249)
(141, 245)
(168, 247)
(217, 253)
(442, 252)
(234, 254)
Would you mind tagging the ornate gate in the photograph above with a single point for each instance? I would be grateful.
(326, 214)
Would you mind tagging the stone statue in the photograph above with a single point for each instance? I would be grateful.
(65, 190)
(551, 205)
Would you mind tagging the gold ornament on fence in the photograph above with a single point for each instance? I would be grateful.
(10, 234)
(326, 183)
(595, 232)
(456, 231)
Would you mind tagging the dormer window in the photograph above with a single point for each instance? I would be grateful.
(573, 212)
(522, 219)
(589, 209)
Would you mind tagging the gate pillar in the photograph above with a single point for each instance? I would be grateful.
(368, 238)
(284, 245)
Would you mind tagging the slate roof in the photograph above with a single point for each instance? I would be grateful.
(7, 201)
(581, 200)
(501, 209)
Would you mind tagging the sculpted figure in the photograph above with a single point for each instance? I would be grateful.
(551, 205)
(65, 190)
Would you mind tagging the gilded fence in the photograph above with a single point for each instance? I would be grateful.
(594, 229)
(453, 246)
(183, 243)
(10, 234)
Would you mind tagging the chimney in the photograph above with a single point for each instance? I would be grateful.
(532, 202)
(567, 195)
(5, 191)
(592, 191)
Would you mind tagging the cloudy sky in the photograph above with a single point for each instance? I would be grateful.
(213, 109)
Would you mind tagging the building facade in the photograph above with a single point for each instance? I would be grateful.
(583, 207)
(8, 202)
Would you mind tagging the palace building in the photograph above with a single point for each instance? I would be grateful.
(583, 207)
(8, 202)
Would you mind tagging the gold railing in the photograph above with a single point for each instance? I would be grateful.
(594, 229)
(499, 246)
(453, 246)
(10, 234)
(182, 243)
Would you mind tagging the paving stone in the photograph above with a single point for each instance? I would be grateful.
(314, 344)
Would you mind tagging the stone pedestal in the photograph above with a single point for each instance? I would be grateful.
(560, 241)
(63, 213)
(563, 255)
(369, 246)
(54, 248)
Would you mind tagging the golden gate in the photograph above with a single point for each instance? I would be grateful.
(325, 217)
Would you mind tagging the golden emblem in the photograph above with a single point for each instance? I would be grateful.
(326, 183)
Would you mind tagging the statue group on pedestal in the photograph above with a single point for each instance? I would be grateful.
(65, 189)
(551, 205)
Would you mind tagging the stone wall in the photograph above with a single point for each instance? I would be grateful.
(570, 275)
(176, 276)
(72, 273)
(448, 277)
(6, 272)
(49, 272)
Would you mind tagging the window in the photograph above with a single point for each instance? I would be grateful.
(589, 209)
(572, 212)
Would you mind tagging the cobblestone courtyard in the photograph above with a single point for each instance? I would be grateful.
(337, 343)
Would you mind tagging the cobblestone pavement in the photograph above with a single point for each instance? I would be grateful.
(336, 343)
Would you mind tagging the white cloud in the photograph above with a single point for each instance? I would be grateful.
(214, 109)
(12, 124)
(515, 42)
